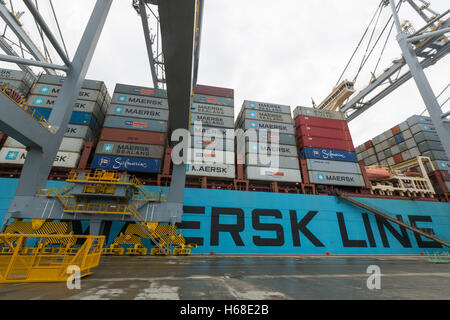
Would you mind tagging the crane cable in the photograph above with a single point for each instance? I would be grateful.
(59, 29)
(360, 42)
(440, 94)
(47, 54)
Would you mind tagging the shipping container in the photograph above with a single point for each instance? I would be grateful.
(418, 119)
(266, 116)
(208, 156)
(140, 91)
(320, 122)
(269, 148)
(135, 124)
(426, 135)
(53, 90)
(385, 145)
(396, 130)
(311, 112)
(67, 144)
(133, 136)
(391, 141)
(430, 145)
(138, 112)
(328, 154)
(370, 160)
(17, 86)
(438, 165)
(214, 91)
(213, 109)
(404, 126)
(395, 149)
(378, 148)
(216, 170)
(17, 75)
(336, 178)
(211, 120)
(213, 100)
(139, 101)
(59, 80)
(130, 164)
(407, 134)
(422, 127)
(272, 161)
(435, 155)
(324, 143)
(398, 158)
(381, 155)
(370, 152)
(399, 138)
(368, 144)
(77, 131)
(77, 118)
(403, 147)
(406, 155)
(130, 149)
(410, 143)
(414, 152)
(198, 142)
(221, 133)
(388, 134)
(50, 102)
(17, 156)
(269, 107)
(273, 174)
(304, 130)
(333, 166)
(267, 136)
(281, 127)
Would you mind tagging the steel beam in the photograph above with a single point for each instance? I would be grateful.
(428, 35)
(23, 37)
(19, 60)
(39, 161)
(11, 52)
(21, 126)
(148, 42)
(34, 11)
(428, 96)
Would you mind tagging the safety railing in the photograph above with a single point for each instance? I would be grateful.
(21, 103)
(36, 258)
(100, 208)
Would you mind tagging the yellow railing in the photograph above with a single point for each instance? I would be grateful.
(20, 102)
(103, 208)
(35, 258)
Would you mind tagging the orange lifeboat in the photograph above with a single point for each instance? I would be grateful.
(378, 174)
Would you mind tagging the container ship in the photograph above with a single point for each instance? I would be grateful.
(323, 196)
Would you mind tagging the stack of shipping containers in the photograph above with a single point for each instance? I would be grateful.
(414, 137)
(134, 134)
(19, 81)
(211, 148)
(263, 118)
(85, 122)
(325, 143)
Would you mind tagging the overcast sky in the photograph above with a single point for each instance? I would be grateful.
(285, 51)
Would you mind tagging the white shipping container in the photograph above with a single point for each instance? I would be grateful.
(271, 148)
(16, 156)
(216, 170)
(273, 174)
(53, 90)
(67, 144)
(210, 156)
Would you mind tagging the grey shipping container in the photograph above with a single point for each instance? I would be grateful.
(327, 114)
(395, 149)
(138, 112)
(435, 155)
(199, 142)
(273, 174)
(130, 149)
(410, 143)
(414, 152)
(217, 110)
(426, 135)
(254, 159)
(430, 145)
(211, 120)
(333, 166)
(381, 155)
(80, 105)
(388, 153)
(140, 91)
(267, 116)
(391, 141)
(406, 155)
(217, 170)
(403, 147)
(17, 75)
(135, 124)
(404, 126)
(422, 127)
(388, 134)
(439, 165)
(59, 80)
(53, 90)
(269, 148)
(78, 131)
(17, 86)
(385, 145)
(270, 107)
(336, 178)
(222, 133)
(139, 101)
(418, 119)
(210, 156)
(201, 98)
(378, 148)
(281, 127)
(407, 134)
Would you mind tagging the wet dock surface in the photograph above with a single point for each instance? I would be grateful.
(247, 277)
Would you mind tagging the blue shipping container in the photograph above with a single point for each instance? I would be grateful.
(399, 138)
(80, 118)
(328, 154)
(126, 163)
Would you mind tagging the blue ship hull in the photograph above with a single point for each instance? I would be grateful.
(239, 222)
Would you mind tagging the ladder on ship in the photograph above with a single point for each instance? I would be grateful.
(385, 216)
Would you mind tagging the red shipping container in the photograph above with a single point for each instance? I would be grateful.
(323, 132)
(325, 143)
(398, 158)
(321, 122)
(214, 91)
(396, 130)
(368, 144)
(133, 136)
